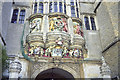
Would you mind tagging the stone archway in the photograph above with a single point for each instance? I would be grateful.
(74, 71)
(54, 74)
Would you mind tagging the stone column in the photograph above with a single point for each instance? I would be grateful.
(14, 69)
(45, 23)
(105, 70)
(70, 24)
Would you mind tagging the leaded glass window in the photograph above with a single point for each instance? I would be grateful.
(93, 23)
(60, 7)
(14, 16)
(87, 23)
(72, 9)
(22, 16)
(40, 7)
(50, 7)
(35, 8)
(55, 6)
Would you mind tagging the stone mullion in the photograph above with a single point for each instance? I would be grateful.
(33, 8)
(45, 7)
(37, 6)
(68, 8)
(84, 27)
(58, 10)
(70, 24)
(95, 20)
(89, 22)
(52, 5)
(63, 6)
(18, 15)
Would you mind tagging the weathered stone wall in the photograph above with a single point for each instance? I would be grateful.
(6, 18)
(25, 72)
(92, 70)
(105, 26)
(107, 16)
(93, 44)
(86, 8)
(111, 58)
(14, 31)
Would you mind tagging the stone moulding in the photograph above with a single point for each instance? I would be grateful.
(35, 37)
(33, 16)
(58, 14)
(78, 41)
(76, 19)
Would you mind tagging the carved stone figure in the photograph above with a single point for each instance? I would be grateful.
(65, 52)
(35, 25)
(76, 52)
(71, 53)
(59, 41)
(77, 28)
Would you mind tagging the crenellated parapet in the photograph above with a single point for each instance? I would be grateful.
(59, 42)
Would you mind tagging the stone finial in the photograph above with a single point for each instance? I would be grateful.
(15, 66)
(105, 70)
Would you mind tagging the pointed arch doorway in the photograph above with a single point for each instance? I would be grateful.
(54, 74)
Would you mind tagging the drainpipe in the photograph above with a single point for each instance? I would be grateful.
(2, 40)
(97, 6)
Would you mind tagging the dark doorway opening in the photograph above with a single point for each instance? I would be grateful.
(54, 74)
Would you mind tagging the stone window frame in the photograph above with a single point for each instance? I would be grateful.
(90, 15)
(58, 6)
(18, 16)
(37, 10)
(76, 8)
